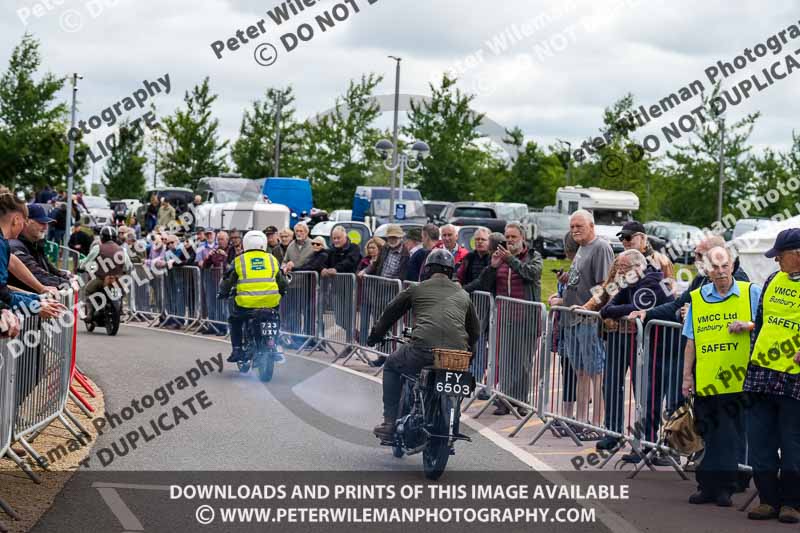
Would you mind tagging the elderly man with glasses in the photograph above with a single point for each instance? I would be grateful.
(633, 237)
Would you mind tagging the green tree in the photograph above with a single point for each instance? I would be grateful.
(450, 128)
(253, 153)
(535, 175)
(124, 170)
(191, 148)
(694, 169)
(34, 150)
(621, 164)
(338, 148)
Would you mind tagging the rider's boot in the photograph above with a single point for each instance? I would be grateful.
(237, 355)
(386, 429)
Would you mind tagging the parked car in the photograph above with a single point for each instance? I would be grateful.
(546, 232)
(745, 225)
(472, 214)
(100, 209)
(678, 239)
(433, 209)
(510, 211)
(358, 232)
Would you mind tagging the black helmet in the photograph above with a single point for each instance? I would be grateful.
(441, 257)
(108, 233)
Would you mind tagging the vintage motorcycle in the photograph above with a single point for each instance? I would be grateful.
(260, 334)
(429, 415)
(109, 314)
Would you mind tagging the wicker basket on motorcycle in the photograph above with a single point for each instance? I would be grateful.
(451, 359)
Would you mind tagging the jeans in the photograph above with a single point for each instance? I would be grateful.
(720, 421)
(406, 360)
(774, 424)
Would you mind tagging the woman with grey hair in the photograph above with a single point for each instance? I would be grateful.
(318, 259)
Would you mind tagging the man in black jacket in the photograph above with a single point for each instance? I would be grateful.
(29, 248)
(343, 256)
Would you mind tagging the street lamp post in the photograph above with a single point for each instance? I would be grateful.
(721, 166)
(71, 174)
(394, 164)
(401, 161)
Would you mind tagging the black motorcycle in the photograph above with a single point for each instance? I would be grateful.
(429, 416)
(260, 333)
(109, 314)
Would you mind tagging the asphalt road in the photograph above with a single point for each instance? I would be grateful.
(311, 424)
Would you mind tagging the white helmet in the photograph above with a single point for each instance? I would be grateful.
(255, 240)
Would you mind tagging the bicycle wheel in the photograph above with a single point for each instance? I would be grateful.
(436, 454)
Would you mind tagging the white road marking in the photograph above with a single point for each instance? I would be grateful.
(609, 518)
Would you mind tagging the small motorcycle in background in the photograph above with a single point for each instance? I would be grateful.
(260, 334)
(109, 315)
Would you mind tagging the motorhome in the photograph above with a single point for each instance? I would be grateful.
(611, 209)
(237, 203)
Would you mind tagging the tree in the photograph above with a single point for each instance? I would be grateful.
(254, 150)
(694, 169)
(124, 170)
(450, 128)
(191, 148)
(34, 150)
(534, 175)
(621, 164)
(338, 148)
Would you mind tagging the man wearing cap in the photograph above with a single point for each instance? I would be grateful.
(773, 384)
(393, 261)
(718, 325)
(634, 237)
(29, 248)
(273, 242)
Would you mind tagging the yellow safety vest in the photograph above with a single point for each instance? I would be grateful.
(720, 357)
(257, 286)
(779, 337)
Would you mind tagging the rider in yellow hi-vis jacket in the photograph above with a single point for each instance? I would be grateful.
(258, 282)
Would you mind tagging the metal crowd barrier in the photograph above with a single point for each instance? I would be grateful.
(182, 296)
(73, 257)
(337, 314)
(481, 365)
(572, 373)
(147, 294)
(43, 375)
(374, 295)
(519, 332)
(214, 312)
(659, 390)
(299, 309)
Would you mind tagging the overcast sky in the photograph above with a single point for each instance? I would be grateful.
(601, 50)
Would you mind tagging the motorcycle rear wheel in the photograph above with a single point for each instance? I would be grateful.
(437, 452)
(266, 367)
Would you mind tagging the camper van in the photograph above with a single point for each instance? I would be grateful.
(611, 209)
(237, 203)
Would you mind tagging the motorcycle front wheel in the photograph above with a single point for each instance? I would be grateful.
(112, 319)
(436, 454)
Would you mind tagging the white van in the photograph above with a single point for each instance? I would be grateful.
(611, 209)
